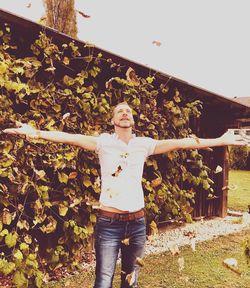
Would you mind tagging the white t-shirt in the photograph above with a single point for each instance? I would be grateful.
(121, 170)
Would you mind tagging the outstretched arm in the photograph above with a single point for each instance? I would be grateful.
(227, 138)
(83, 141)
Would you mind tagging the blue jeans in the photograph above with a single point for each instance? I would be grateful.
(108, 242)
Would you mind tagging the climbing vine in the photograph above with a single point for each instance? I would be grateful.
(49, 192)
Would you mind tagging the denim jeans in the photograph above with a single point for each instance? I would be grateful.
(109, 235)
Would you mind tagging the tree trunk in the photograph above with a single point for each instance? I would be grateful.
(61, 15)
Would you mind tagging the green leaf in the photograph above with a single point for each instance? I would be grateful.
(20, 280)
(7, 163)
(6, 267)
(39, 279)
(4, 232)
(11, 239)
(23, 246)
(18, 255)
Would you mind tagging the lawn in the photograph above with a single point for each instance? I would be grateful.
(239, 192)
(202, 269)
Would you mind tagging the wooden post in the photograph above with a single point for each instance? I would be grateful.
(225, 181)
(223, 159)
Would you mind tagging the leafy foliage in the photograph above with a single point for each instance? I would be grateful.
(48, 191)
(238, 157)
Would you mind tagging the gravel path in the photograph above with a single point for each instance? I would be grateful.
(189, 234)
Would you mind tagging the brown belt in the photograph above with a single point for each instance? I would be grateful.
(122, 216)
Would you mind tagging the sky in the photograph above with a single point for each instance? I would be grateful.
(203, 42)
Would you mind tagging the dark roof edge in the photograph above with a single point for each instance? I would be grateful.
(14, 18)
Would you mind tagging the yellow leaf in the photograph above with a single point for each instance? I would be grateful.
(6, 217)
(153, 228)
(23, 224)
(140, 261)
(125, 241)
(66, 60)
(87, 182)
(63, 209)
(57, 107)
(3, 68)
(50, 227)
(63, 178)
(130, 278)
(40, 173)
(156, 182)
(28, 239)
(92, 218)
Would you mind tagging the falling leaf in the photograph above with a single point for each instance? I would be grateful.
(218, 169)
(130, 278)
(83, 14)
(181, 263)
(125, 241)
(139, 261)
(124, 155)
(132, 77)
(117, 172)
(29, 5)
(174, 249)
(156, 43)
(232, 264)
(193, 244)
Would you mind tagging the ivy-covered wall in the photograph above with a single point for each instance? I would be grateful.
(49, 192)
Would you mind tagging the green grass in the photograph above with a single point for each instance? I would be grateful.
(203, 268)
(239, 192)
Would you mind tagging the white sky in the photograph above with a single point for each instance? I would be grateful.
(203, 42)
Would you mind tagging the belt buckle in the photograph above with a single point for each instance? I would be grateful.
(124, 217)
